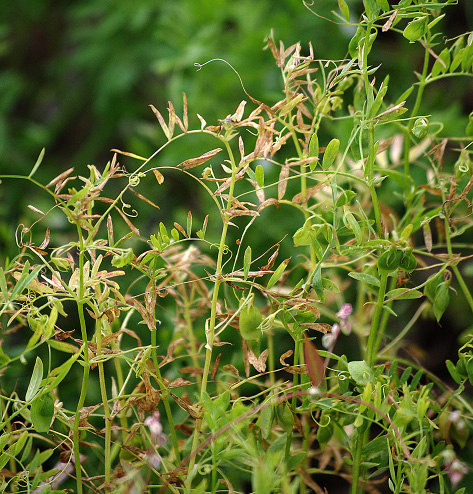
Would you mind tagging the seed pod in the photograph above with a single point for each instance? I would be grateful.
(415, 29)
(389, 261)
(285, 417)
(408, 262)
(250, 319)
(421, 127)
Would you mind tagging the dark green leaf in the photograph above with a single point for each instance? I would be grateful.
(330, 154)
(42, 412)
(365, 277)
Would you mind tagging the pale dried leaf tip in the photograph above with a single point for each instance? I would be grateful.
(159, 176)
(36, 210)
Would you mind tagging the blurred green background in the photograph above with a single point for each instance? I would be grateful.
(77, 77)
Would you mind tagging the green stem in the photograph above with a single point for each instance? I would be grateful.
(415, 110)
(456, 271)
(375, 329)
(164, 396)
(106, 409)
(210, 332)
(85, 350)
(356, 470)
(384, 319)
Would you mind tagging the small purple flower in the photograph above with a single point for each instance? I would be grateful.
(155, 429)
(345, 311)
(456, 471)
(329, 339)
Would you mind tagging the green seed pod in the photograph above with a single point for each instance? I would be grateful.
(408, 262)
(250, 319)
(421, 127)
(285, 417)
(415, 29)
(389, 261)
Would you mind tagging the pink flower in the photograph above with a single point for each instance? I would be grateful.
(155, 428)
(329, 339)
(345, 311)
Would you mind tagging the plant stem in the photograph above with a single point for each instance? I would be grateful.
(85, 351)
(106, 409)
(210, 332)
(410, 125)
(375, 328)
(164, 396)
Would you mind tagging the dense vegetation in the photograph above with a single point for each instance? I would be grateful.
(265, 285)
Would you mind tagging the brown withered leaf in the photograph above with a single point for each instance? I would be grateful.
(241, 147)
(190, 369)
(110, 230)
(384, 144)
(161, 121)
(239, 212)
(130, 155)
(143, 198)
(322, 327)
(308, 480)
(203, 123)
(60, 177)
(282, 185)
(390, 110)
(35, 210)
(232, 368)
(215, 369)
(268, 202)
(427, 236)
(387, 25)
(159, 176)
(271, 260)
(179, 227)
(314, 363)
(185, 118)
(238, 115)
(179, 382)
(298, 199)
(172, 117)
(293, 369)
(185, 429)
(284, 356)
(258, 363)
(185, 406)
(171, 347)
(246, 361)
(47, 238)
(193, 162)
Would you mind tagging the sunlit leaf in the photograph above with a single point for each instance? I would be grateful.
(415, 29)
(330, 154)
(35, 381)
(42, 412)
(259, 175)
(277, 274)
(342, 5)
(247, 262)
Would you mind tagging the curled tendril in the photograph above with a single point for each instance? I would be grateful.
(320, 424)
(134, 180)
(200, 65)
(131, 214)
(20, 232)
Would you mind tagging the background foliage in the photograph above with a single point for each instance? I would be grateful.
(78, 79)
